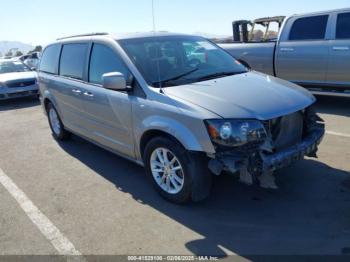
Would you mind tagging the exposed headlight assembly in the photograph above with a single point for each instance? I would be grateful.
(235, 133)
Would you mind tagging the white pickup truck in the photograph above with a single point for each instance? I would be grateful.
(312, 50)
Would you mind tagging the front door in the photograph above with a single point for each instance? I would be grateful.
(339, 49)
(303, 57)
(108, 113)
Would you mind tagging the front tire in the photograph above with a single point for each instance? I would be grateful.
(177, 174)
(56, 125)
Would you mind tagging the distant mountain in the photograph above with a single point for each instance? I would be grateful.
(5, 46)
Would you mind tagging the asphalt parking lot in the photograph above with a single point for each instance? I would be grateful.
(104, 205)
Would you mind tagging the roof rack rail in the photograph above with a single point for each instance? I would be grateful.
(90, 34)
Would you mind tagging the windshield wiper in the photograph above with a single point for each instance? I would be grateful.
(162, 82)
(219, 74)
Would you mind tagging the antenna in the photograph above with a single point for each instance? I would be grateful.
(154, 34)
(153, 17)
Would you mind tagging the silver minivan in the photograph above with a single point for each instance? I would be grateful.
(149, 98)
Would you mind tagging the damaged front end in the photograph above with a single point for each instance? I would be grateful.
(255, 149)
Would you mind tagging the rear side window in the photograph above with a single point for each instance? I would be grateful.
(73, 59)
(49, 59)
(104, 60)
(309, 28)
(343, 26)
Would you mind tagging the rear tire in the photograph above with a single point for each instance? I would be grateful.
(56, 125)
(177, 174)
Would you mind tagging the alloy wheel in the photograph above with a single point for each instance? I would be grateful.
(167, 170)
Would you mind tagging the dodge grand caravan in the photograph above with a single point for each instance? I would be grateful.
(145, 97)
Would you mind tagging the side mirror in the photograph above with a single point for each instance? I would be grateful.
(114, 81)
(33, 69)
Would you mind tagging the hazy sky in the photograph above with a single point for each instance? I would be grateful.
(42, 21)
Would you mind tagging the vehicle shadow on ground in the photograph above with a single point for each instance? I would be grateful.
(18, 103)
(333, 105)
(309, 214)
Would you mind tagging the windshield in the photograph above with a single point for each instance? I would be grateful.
(12, 66)
(176, 60)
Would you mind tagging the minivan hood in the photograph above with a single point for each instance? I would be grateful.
(250, 95)
(17, 76)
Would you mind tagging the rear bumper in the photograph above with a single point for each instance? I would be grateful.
(9, 93)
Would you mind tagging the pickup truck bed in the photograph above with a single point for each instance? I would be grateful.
(258, 55)
(312, 50)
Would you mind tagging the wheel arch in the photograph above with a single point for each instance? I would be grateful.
(46, 102)
(153, 133)
(192, 135)
(49, 98)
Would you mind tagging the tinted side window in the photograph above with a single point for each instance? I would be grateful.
(104, 60)
(49, 60)
(73, 60)
(309, 28)
(343, 26)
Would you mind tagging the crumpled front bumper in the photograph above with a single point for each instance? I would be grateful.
(260, 161)
(308, 147)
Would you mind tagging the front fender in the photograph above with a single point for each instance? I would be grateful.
(191, 140)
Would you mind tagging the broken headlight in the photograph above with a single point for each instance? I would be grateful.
(234, 133)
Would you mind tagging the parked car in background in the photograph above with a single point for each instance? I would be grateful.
(31, 60)
(140, 96)
(23, 57)
(312, 50)
(16, 80)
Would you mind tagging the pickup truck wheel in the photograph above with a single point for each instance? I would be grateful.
(56, 125)
(177, 174)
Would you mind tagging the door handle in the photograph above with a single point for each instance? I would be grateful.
(287, 49)
(88, 94)
(340, 48)
(76, 91)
